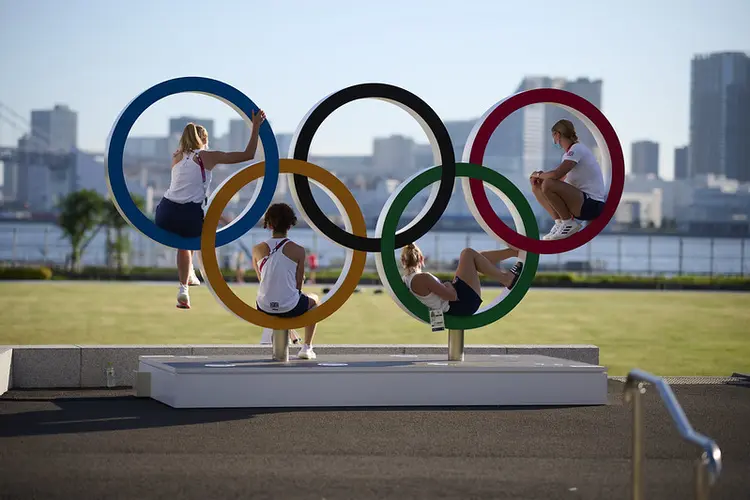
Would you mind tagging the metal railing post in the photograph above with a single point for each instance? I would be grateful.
(455, 345)
(46, 244)
(14, 244)
(634, 394)
(280, 341)
(707, 468)
(437, 252)
(702, 483)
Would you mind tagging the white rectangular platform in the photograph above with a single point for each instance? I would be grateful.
(370, 380)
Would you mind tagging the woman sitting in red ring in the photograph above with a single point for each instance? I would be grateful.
(575, 189)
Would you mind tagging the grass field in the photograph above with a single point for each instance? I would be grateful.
(669, 333)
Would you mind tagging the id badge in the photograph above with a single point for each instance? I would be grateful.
(437, 321)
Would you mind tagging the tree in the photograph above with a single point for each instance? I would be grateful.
(113, 221)
(80, 219)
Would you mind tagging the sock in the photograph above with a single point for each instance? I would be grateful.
(568, 221)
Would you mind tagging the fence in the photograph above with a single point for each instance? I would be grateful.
(27, 244)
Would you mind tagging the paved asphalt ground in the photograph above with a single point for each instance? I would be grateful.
(109, 444)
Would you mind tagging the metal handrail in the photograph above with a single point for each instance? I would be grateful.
(708, 467)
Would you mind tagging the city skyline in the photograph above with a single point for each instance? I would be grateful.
(294, 63)
(237, 133)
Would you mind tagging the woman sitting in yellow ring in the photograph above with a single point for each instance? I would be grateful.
(280, 265)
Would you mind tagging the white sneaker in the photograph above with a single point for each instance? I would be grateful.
(306, 352)
(183, 298)
(566, 229)
(193, 279)
(553, 231)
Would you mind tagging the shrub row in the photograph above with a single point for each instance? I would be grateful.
(25, 273)
(542, 279)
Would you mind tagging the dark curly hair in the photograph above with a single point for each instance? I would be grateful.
(279, 217)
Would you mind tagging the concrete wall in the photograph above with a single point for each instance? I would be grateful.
(5, 359)
(84, 366)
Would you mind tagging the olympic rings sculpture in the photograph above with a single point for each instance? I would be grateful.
(354, 237)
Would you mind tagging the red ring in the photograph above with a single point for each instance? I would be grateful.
(476, 155)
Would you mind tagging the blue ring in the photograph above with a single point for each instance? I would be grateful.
(116, 149)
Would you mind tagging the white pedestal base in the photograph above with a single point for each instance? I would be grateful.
(372, 380)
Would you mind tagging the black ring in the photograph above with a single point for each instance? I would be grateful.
(432, 120)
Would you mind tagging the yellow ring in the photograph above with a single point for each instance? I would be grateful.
(341, 291)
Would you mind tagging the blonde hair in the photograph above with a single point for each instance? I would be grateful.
(193, 137)
(411, 256)
(566, 129)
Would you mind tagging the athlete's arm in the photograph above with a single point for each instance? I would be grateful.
(176, 157)
(257, 252)
(213, 158)
(570, 160)
(560, 172)
(443, 290)
(299, 254)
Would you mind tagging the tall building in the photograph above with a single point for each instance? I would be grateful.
(591, 90)
(54, 129)
(177, 125)
(644, 158)
(393, 156)
(10, 181)
(459, 131)
(283, 141)
(720, 115)
(239, 135)
(681, 163)
(539, 153)
(147, 147)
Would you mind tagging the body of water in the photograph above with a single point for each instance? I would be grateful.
(626, 254)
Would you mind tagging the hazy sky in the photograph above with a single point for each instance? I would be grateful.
(461, 57)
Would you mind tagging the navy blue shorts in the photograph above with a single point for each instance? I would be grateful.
(303, 304)
(183, 219)
(591, 209)
(468, 301)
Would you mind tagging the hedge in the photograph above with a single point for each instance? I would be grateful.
(25, 273)
(542, 279)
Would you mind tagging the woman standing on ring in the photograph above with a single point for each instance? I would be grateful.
(180, 211)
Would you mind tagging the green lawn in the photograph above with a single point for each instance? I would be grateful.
(669, 333)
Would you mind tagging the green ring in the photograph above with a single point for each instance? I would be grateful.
(391, 269)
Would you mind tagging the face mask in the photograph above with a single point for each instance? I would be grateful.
(557, 144)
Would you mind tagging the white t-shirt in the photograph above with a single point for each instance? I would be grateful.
(587, 174)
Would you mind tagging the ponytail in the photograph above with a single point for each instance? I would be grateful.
(411, 256)
(566, 129)
(193, 137)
